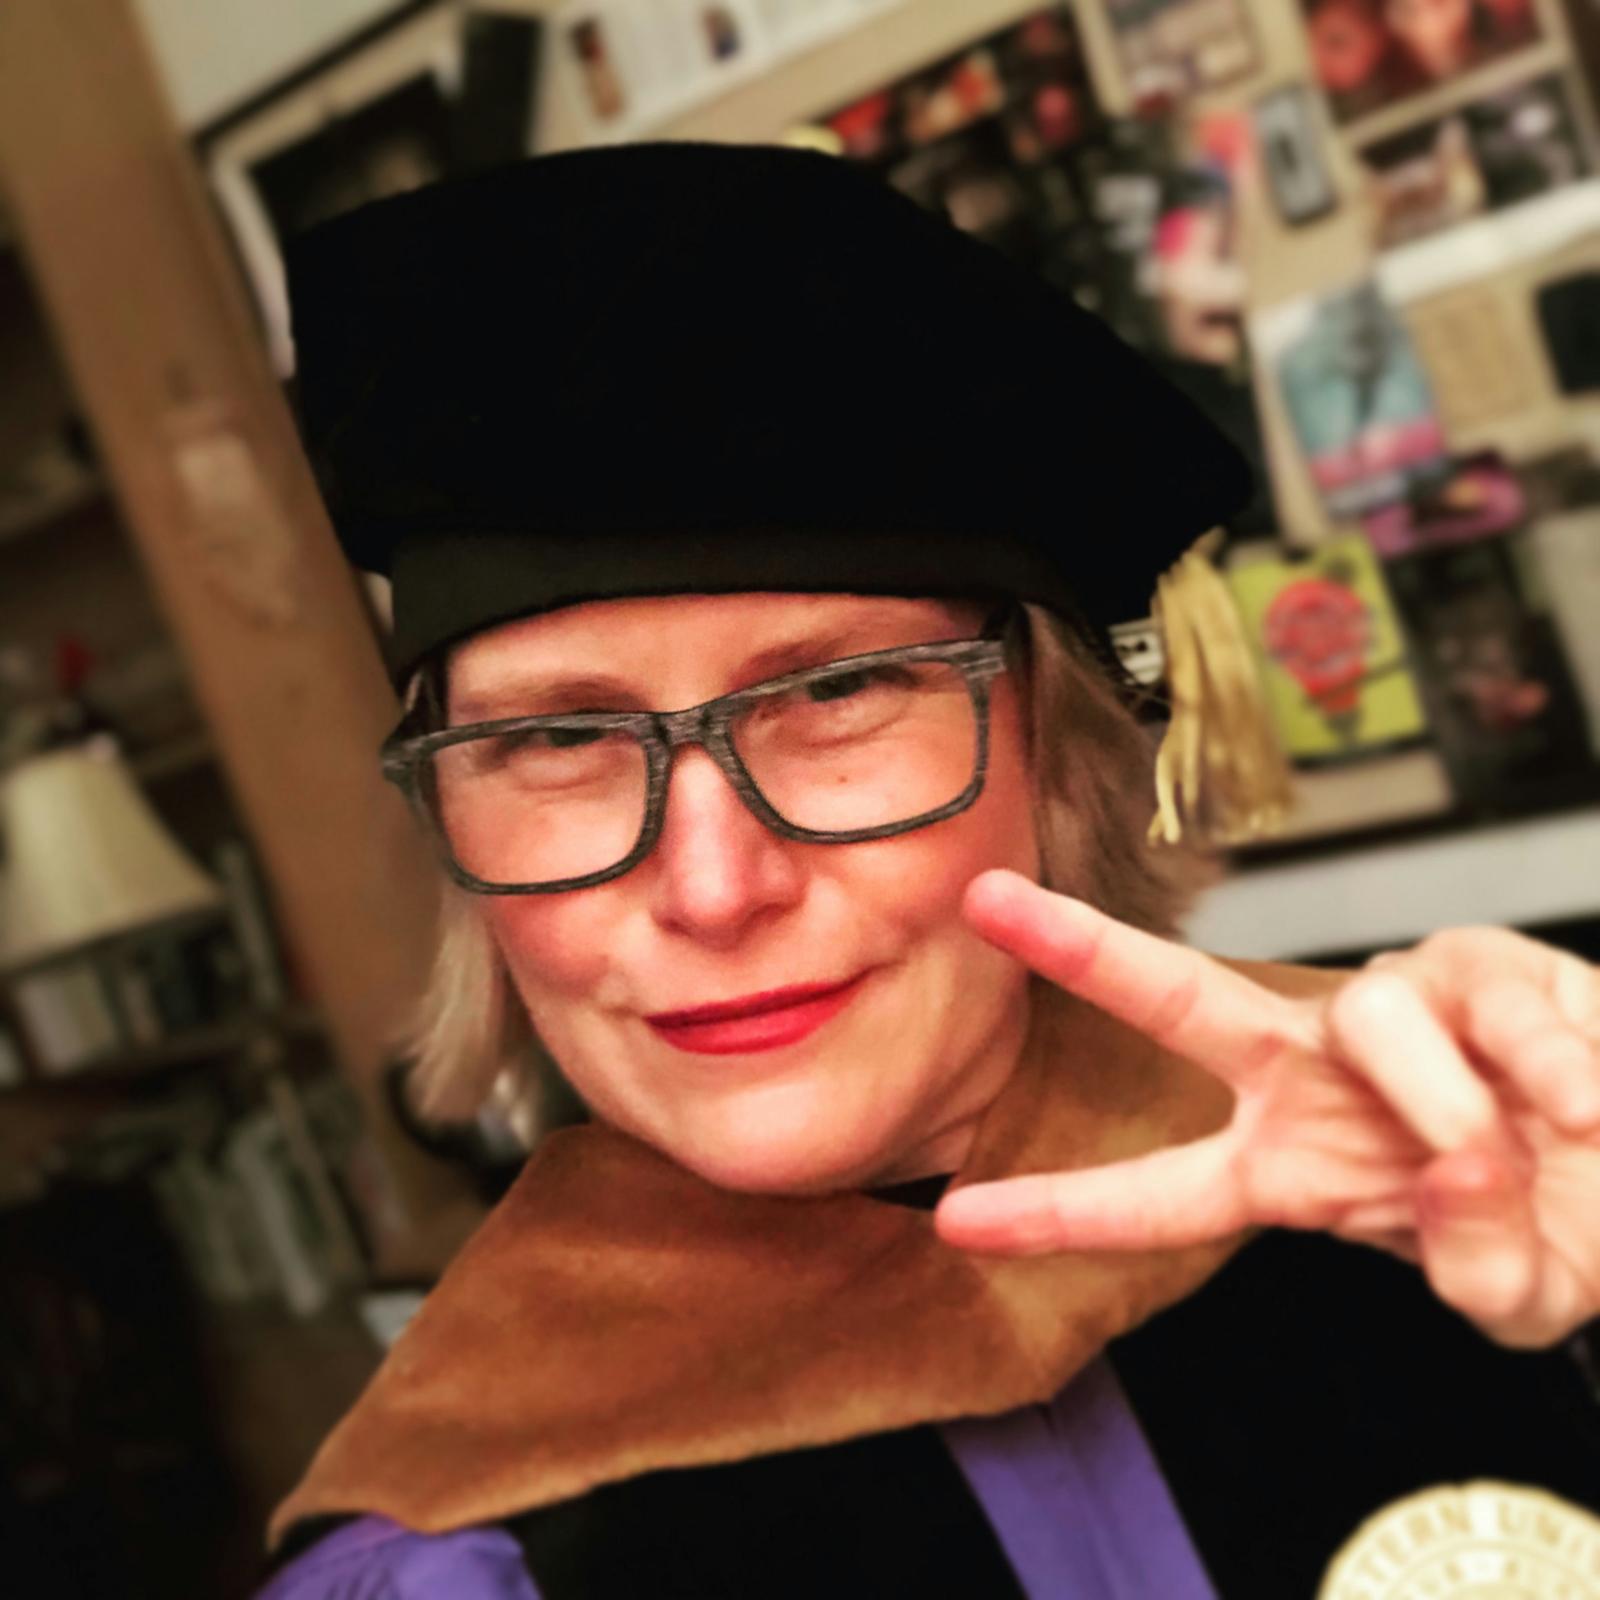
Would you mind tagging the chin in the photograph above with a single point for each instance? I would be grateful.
(786, 1154)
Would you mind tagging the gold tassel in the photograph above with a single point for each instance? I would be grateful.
(1220, 776)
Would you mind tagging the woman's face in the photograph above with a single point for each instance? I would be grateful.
(912, 1024)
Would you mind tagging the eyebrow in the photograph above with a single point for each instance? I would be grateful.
(553, 693)
(548, 694)
(796, 654)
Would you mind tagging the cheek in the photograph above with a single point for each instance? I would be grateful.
(553, 945)
(558, 951)
(918, 879)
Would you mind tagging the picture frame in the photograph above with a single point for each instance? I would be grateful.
(429, 89)
(1369, 55)
(1332, 657)
(1293, 155)
(1169, 50)
(1358, 399)
(1506, 712)
(1489, 154)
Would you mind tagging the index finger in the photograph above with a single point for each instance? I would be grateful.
(1187, 1194)
(1184, 1000)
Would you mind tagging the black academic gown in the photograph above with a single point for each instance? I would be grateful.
(1302, 1389)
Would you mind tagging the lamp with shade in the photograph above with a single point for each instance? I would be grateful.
(86, 858)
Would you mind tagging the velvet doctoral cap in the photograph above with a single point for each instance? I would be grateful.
(704, 368)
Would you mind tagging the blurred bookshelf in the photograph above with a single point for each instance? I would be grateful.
(143, 1066)
(174, 757)
(172, 1108)
(46, 490)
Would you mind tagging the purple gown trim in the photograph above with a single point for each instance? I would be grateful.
(1076, 1498)
(375, 1559)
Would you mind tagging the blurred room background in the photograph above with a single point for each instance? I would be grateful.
(1363, 234)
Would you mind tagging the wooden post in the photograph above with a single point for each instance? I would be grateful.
(156, 331)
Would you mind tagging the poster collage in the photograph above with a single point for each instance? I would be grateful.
(1448, 610)
(1445, 610)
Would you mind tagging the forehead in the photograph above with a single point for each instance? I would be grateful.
(717, 632)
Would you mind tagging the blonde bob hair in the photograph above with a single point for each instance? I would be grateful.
(1093, 774)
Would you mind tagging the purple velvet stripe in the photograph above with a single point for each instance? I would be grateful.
(1076, 1497)
(375, 1559)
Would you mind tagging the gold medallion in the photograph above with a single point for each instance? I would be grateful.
(1474, 1541)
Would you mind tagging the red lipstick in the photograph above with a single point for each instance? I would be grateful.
(755, 1021)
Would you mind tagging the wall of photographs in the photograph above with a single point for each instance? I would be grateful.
(1365, 235)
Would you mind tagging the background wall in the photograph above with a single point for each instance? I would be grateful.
(214, 53)
(1475, 279)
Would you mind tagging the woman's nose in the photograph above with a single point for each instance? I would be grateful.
(718, 868)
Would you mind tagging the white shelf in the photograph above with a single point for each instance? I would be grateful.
(1474, 250)
(1513, 874)
(1376, 793)
(1466, 253)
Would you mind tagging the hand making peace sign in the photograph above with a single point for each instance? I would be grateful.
(1443, 1104)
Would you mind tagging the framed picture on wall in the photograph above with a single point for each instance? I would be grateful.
(1358, 398)
(1171, 49)
(1292, 155)
(1368, 54)
(1491, 153)
(430, 90)
(1331, 653)
(1508, 716)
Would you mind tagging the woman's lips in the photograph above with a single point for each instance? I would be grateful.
(757, 1021)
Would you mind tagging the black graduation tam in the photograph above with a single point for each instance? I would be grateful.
(706, 368)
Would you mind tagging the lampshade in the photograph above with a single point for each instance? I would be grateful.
(86, 857)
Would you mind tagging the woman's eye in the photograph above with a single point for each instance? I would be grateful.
(839, 685)
(527, 744)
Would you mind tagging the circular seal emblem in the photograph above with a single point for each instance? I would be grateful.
(1474, 1541)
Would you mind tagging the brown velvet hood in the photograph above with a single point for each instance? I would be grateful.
(616, 1315)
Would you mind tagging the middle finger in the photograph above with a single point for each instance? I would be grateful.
(1387, 1033)
(1515, 1026)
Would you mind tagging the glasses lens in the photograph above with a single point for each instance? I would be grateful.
(865, 747)
(541, 804)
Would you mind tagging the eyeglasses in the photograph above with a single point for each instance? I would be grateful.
(861, 748)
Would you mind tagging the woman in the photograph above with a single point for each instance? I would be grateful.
(766, 766)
